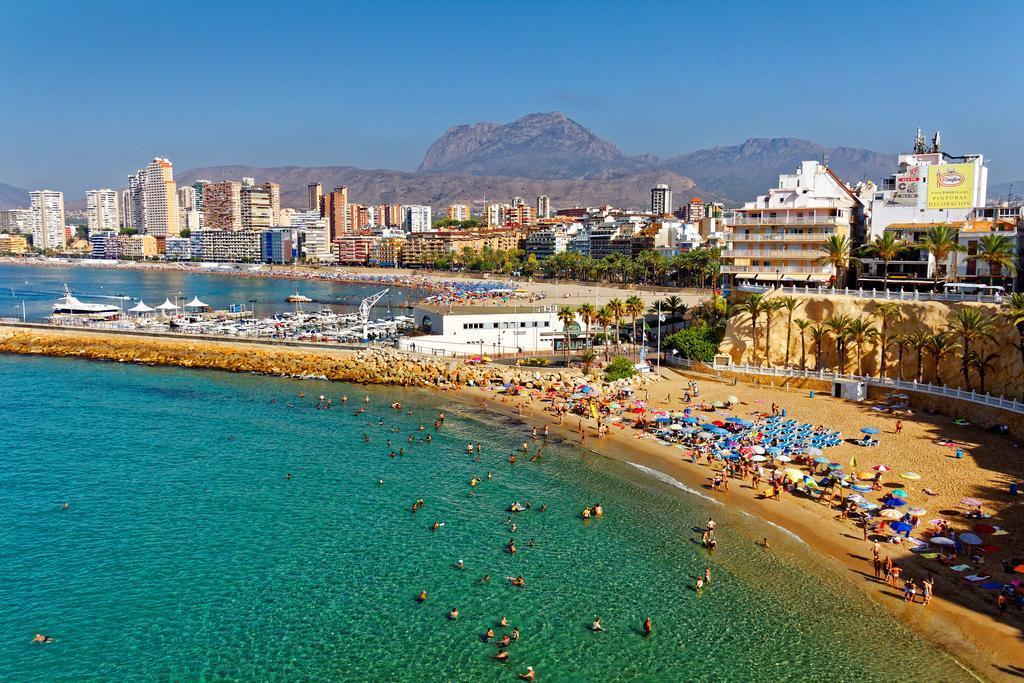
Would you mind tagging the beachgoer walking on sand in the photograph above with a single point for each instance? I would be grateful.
(878, 567)
(927, 586)
(700, 584)
(707, 575)
(899, 426)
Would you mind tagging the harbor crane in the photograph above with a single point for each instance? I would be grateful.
(364, 311)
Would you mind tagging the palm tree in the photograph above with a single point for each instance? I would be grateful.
(836, 252)
(887, 313)
(886, 247)
(803, 325)
(919, 340)
(587, 358)
(940, 345)
(790, 304)
(617, 308)
(838, 325)
(1013, 312)
(587, 312)
(902, 343)
(940, 241)
(860, 330)
(753, 305)
(634, 308)
(818, 335)
(982, 363)
(772, 306)
(604, 318)
(998, 252)
(970, 324)
(567, 317)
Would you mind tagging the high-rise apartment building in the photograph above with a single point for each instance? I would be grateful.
(188, 210)
(543, 206)
(47, 208)
(316, 195)
(160, 200)
(261, 204)
(222, 205)
(520, 214)
(417, 218)
(458, 212)
(335, 209)
(358, 218)
(132, 205)
(16, 221)
(101, 207)
(661, 200)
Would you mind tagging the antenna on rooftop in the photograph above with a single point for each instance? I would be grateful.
(937, 142)
(919, 147)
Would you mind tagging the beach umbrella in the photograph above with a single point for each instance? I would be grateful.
(688, 430)
(861, 488)
(868, 506)
(676, 428)
(896, 502)
(970, 539)
(759, 450)
(1019, 569)
(869, 430)
(690, 420)
(971, 502)
(936, 522)
(732, 399)
(942, 540)
(758, 458)
(718, 404)
(881, 468)
(835, 466)
(984, 528)
(900, 493)
(704, 435)
(783, 458)
(856, 498)
(663, 420)
(912, 476)
(794, 475)
(916, 511)
(822, 459)
(900, 527)
(989, 548)
(814, 451)
(810, 483)
(865, 475)
(890, 514)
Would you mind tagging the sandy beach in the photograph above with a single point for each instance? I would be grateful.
(962, 618)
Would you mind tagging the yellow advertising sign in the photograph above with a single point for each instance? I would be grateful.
(951, 186)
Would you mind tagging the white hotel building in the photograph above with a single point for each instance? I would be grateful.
(47, 208)
(488, 330)
(102, 209)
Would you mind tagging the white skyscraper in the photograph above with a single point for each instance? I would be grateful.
(543, 206)
(417, 218)
(154, 200)
(102, 209)
(661, 200)
(47, 219)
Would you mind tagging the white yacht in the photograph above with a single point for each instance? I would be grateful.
(69, 305)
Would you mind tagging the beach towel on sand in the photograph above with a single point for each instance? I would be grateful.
(960, 567)
(978, 577)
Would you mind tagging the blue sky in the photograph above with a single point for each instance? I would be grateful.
(95, 89)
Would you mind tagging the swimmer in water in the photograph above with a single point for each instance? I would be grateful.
(529, 675)
(503, 623)
(489, 634)
(65, 506)
(515, 634)
(647, 626)
(288, 476)
(501, 656)
(380, 482)
(460, 565)
(764, 542)
(435, 527)
(511, 547)
(505, 640)
(486, 579)
(596, 626)
(543, 507)
(453, 614)
(422, 597)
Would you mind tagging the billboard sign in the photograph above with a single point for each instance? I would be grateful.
(951, 186)
(908, 187)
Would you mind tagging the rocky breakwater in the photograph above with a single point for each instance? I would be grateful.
(369, 366)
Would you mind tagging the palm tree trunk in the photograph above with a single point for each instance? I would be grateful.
(899, 359)
(753, 337)
(920, 363)
(768, 342)
(966, 370)
(803, 352)
(860, 359)
(789, 332)
(885, 274)
(935, 374)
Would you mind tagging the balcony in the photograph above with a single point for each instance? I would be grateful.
(787, 219)
(732, 236)
(781, 270)
(774, 253)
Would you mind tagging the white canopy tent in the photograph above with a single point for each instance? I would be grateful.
(167, 306)
(141, 308)
(196, 303)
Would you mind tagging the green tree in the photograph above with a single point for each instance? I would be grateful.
(861, 331)
(587, 313)
(887, 313)
(619, 367)
(790, 304)
(902, 343)
(919, 340)
(982, 363)
(886, 247)
(617, 308)
(836, 251)
(998, 251)
(838, 326)
(940, 345)
(804, 326)
(604, 318)
(699, 342)
(587, 358)
(819, 333)
(940, 241)
(1012, 311)
(567, 317)
(634, 308)
(772, 306)
(971, 325)
(753, 305)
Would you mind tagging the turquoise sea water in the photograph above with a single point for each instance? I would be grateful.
(187, 555)
(38, 286)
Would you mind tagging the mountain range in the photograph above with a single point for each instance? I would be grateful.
(549, 153)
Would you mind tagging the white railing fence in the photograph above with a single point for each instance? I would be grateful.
(883, 294)
(933, 389)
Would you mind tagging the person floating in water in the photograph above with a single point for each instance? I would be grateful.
(511, 547)
(453, 614)
(422, 597)
(647, 626)
(65, 506)
(40, 638)
(529, 675)
(596, 625)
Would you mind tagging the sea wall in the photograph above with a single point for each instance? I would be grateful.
(1004, 379)
(367, 366)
